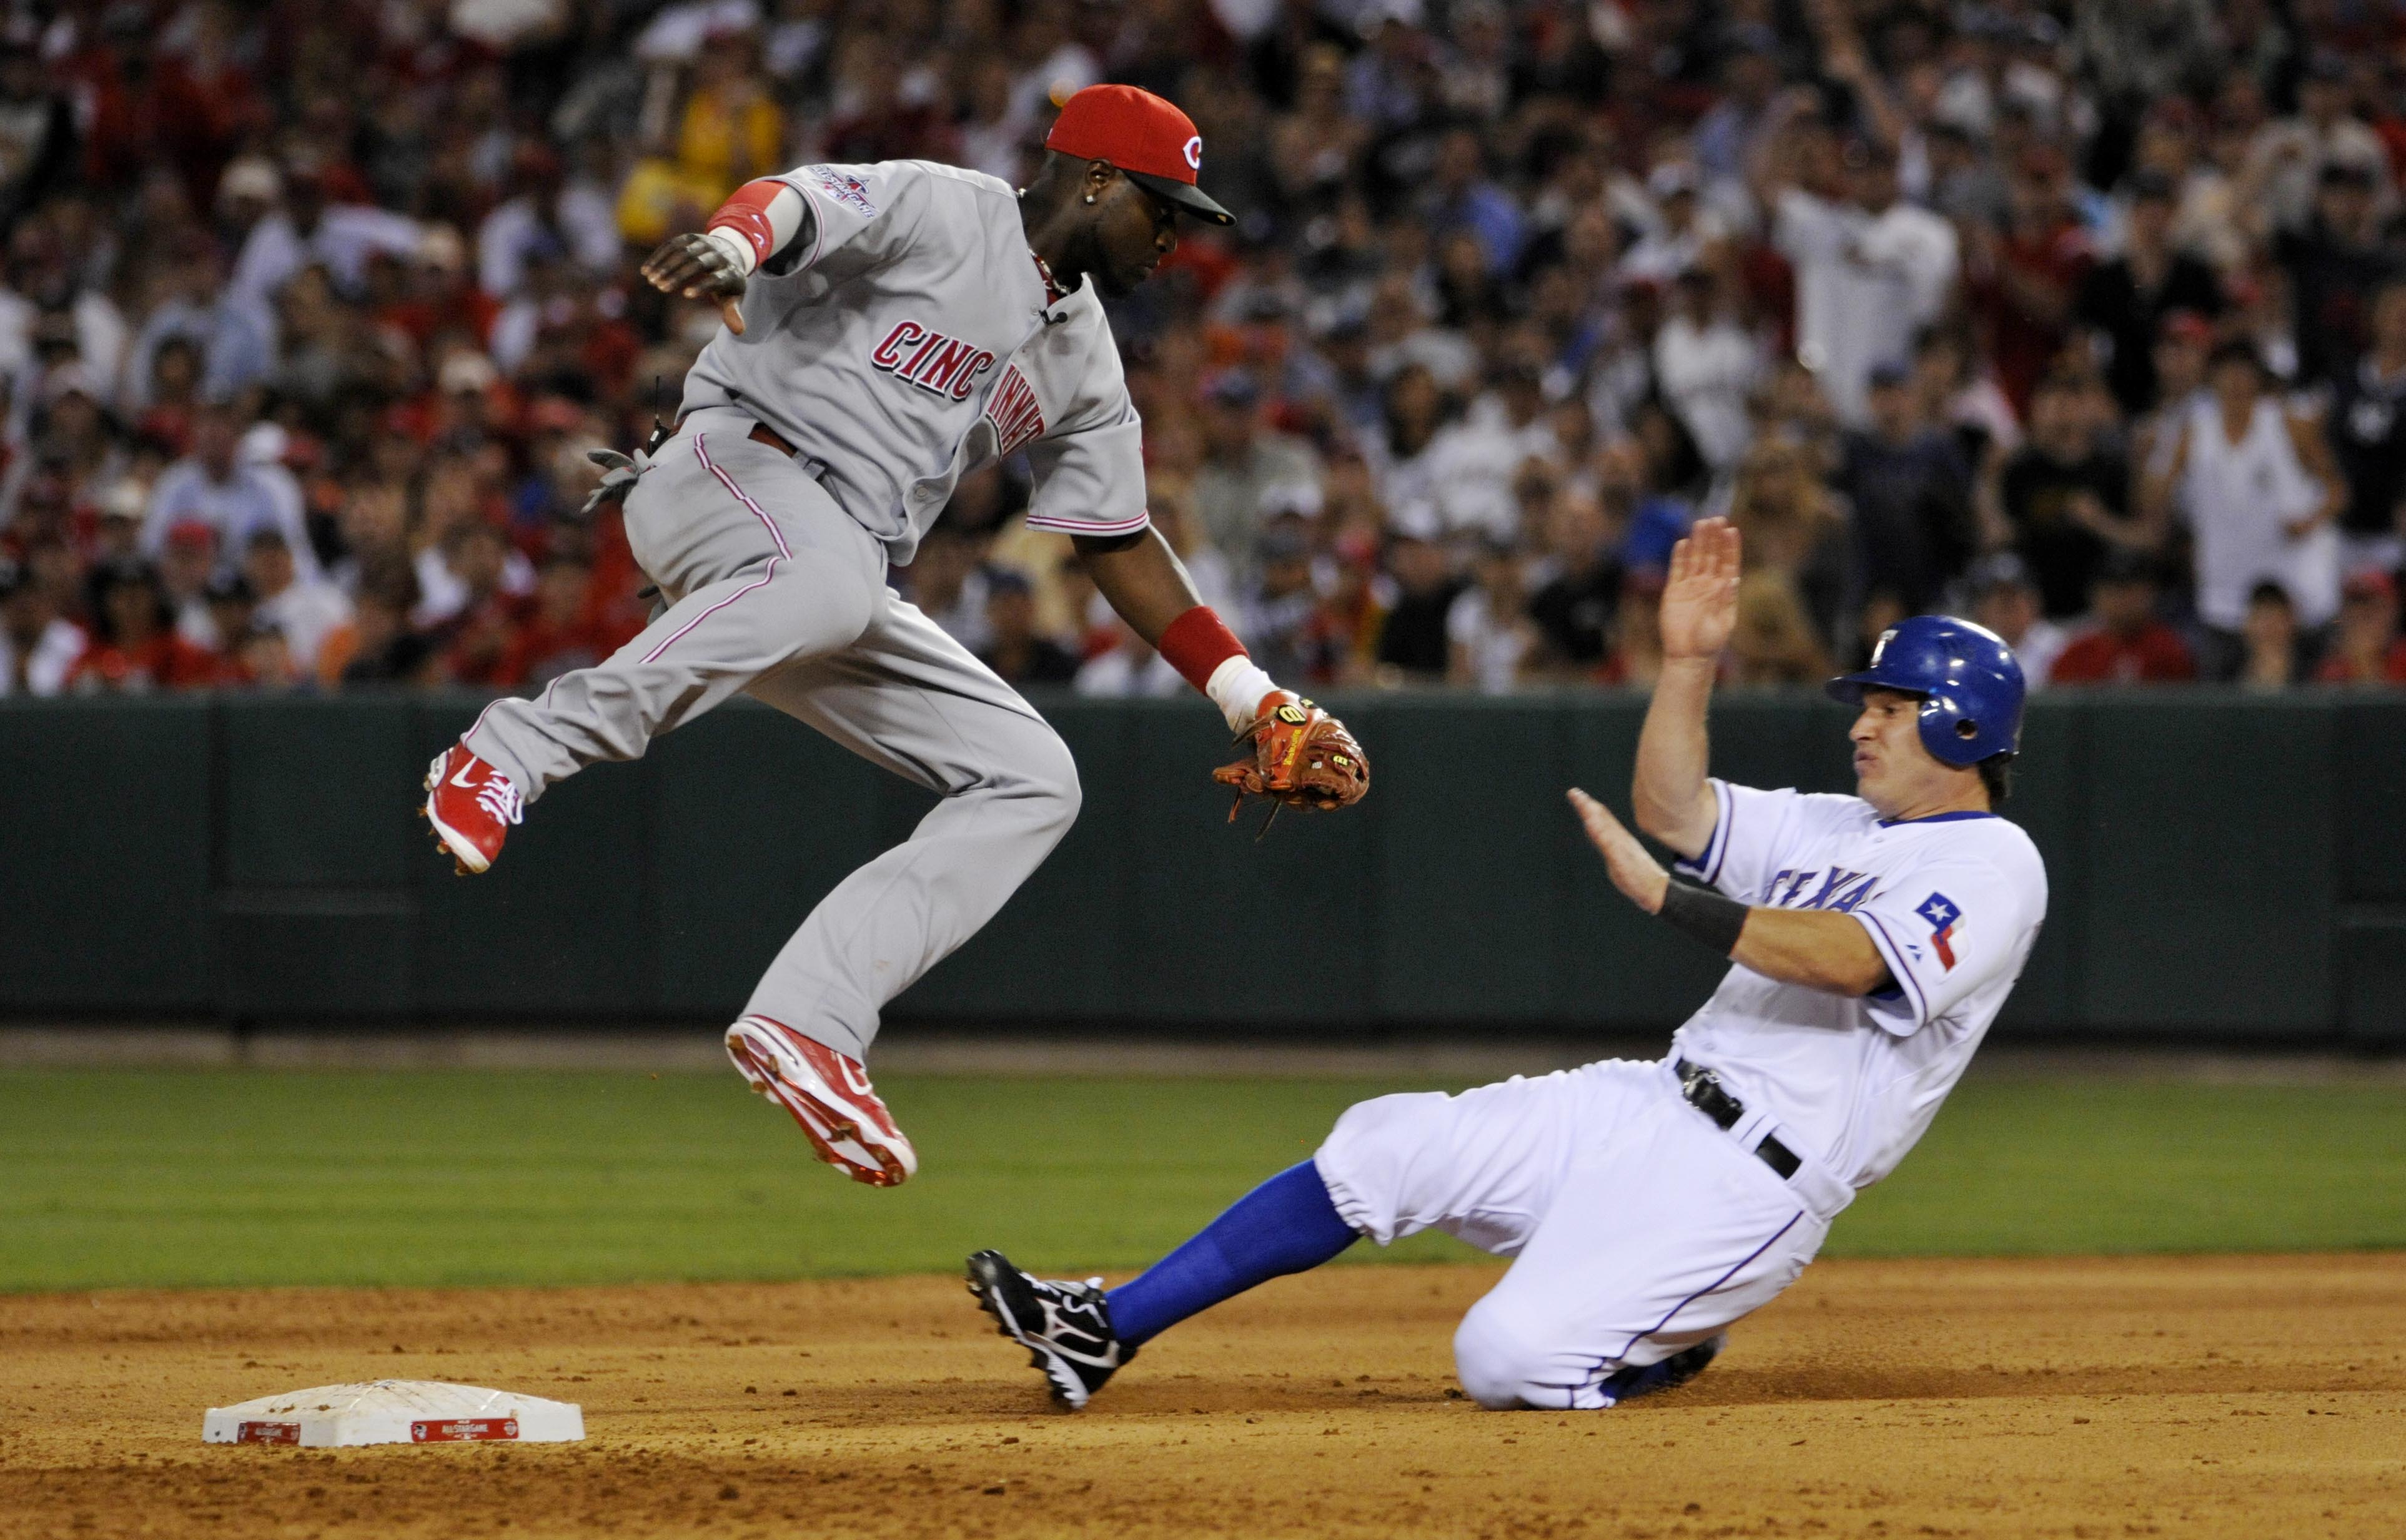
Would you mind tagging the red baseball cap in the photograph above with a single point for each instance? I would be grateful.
(1149, 139)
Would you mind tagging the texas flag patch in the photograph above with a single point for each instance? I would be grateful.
(1946, 926)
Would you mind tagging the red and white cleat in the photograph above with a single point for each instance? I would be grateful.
(828, 1095)
(471, 806)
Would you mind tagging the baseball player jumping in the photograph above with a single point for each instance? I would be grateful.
(1646, 1206)
(889, 328)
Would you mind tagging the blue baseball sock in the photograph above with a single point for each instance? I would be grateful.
(1285, 1225)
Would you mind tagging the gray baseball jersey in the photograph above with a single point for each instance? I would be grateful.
(904, 337)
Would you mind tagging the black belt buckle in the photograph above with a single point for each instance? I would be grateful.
(1703, 1090)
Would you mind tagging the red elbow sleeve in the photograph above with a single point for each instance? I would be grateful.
(1197, 642)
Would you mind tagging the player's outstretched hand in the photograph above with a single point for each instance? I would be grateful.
(699, 268)
(1639, 877)
(1700, 598)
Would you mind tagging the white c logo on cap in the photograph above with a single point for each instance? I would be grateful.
(1195, 153)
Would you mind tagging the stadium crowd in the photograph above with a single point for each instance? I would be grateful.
(2088, 319)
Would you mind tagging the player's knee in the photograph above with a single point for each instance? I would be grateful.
(1499, 1366)
(1046, 774)
(1061, 788)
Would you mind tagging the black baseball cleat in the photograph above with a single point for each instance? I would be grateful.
(1064, 1327)
(1673, 1372)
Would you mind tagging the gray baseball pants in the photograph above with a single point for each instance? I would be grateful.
(778, 592)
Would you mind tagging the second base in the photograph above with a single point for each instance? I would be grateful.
(394, 1411)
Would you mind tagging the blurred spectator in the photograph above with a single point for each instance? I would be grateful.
(1910, 493)
(216, 486)
(2368, 433)
(1707, 366)
(2004, 599)
(1127, 668)
(2244, 473)
(2123, 302)
(2273, 655)
(236, 341)
(1249, 471)
(2366, 649)
(1960, 395)
(380, 647)
(1636, 658)
(1017, 651)
(948, 582)
(2065, 497)
(36, 124)
(1490, 638)
(307, 228)
(2027, 273)
(261, 659)
(301, 609)
(1472, 463)
(1573, 606)
(1414, 643)
(1773, 641)
(489, 600)
(187, 571)
(1792, 523)
(1662, 479)
(1280, 603)
(1871, 271)
(2184, 343)
(227, 606)
(2128, 642)
(1461, 195)
(548, 213)
(2334, 264)
(134, 647)
(38, 649)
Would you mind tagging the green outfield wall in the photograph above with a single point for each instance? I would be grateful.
(2222, 867)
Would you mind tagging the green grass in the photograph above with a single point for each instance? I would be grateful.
(166, 1177)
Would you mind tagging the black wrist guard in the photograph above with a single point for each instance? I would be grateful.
(1704, 914)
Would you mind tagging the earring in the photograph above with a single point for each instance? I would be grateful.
(1090, 197)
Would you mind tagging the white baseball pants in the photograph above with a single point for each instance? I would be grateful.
(776, 592)
(1637, 1226)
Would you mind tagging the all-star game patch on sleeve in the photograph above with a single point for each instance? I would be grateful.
(846, 209)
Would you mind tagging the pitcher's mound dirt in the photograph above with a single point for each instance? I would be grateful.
(2224, 1396)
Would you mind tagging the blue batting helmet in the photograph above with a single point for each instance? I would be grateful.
(1971, 688)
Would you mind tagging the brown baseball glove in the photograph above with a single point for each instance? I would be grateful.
(1302, 757)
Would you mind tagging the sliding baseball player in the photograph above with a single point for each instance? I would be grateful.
(1648, 1205)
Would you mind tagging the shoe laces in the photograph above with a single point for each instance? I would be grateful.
(499, 797)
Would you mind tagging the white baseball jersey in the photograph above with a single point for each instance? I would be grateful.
(903, 338)
(1953, 903)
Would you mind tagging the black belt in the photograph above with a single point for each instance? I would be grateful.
(761, 433)
(1703, 1091)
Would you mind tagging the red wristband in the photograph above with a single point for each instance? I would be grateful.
(1197, 642)
(745, 214)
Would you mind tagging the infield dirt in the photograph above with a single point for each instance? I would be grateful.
(2186, 1396)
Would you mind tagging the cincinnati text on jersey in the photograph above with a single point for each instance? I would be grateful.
(936, 364)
